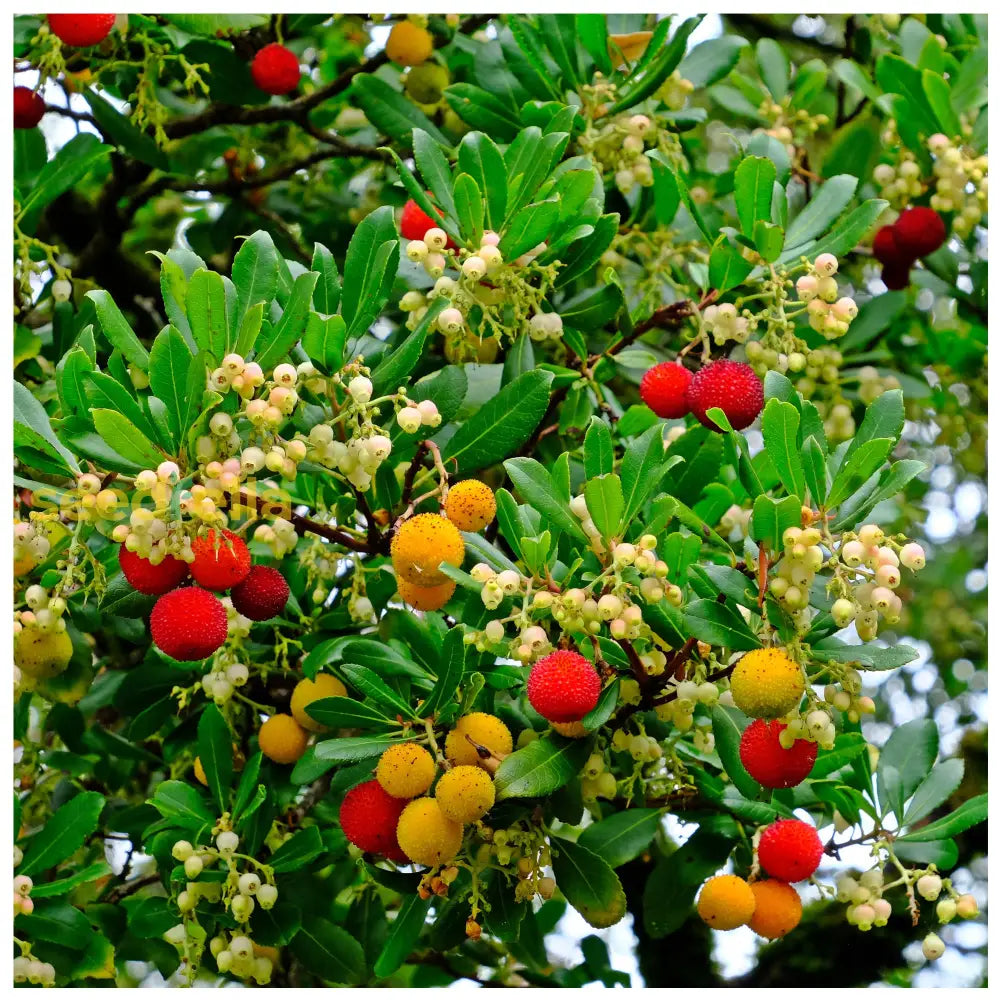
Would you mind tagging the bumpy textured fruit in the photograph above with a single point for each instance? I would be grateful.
(220, 563)
(188, 623)
(408, 44)
(275, 69)
(426, 836)
(81, 29)
(426, 598)
(726, 902)
(470, 505)
(573, 730)
(307, 691)
(282, 739)
(426, 83)
(143, 576)
(262, 595)
(563, 686)
(28, 107)
(486, 730)
(42, 654)
(778, 908)
(919, 231)
(731, 386)
(887, 250)
(421, 544)
(405, 770)
(768, 762)
(664, 390)
(766, 684)
(465, 793)
(369, 816)
(790, 850)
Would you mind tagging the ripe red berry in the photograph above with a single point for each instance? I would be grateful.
(790, 850)
(188, 623)
(81, 29)
(563, 686)
(768, 762)
(663, 389)
(275, 69)
(731, 386)
(262, 595)
(919, 231)
(887, 250)
(143, 576)
(28, 107)
(220, 563)
(414, 222)
(896, 277)
(369, 816)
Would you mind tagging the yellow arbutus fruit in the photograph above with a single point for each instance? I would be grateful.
(766, 684)
(408, 44)
(628, 48)
(405, 770)
(421, 544)
(470, 505)
(482, 729)
(778, 908)
(426, 836)
(726, 902)
(41, 654)
(426, 598)
(465, 793)
(282, 739)
(307, 691)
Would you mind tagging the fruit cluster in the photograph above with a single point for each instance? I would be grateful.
(956, 171)
(788, 851)
(670, 391)
(917, 232)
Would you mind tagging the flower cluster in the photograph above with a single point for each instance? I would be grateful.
(961, 182)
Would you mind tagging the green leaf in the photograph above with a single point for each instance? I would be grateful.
(832, 197)
(780, 426)
(180, 802)
(890, 483)
(858, 465)
(968, 814)
(592, 30)
(588, 882)
(853, 75)
(622, 836)
(727, 268)
(607, 702)
(215, 748)
(60, 886)
(117, 329)
(289, 329)
(770, 518)
(883, 419)
(844, 237)
(449, 674)
(70, 165)
(169, 362)
(126, 439)
(605, 504)
(104, 392)
(541, 767)
(868, 655)
(482, 110)
(846, 748)
(936, 788)
(768, 237)
(117, 127)
(728, 724)
(394, 370)
(296, 853)
(206, 313)
(479, 157)
(897, 76)
(642, 468)
(369, 270)
(69, 381)
(943, 853)
(469, 209)
(390, 111)
(351, 748)
(711, 60)
(374, 688)
(911, 750)
(774, 68)
(326, 296)
(247, 788)
(31, 423)
(255, 271)
(324, 341)
(329, 952)
(752, 186)
(535, 485)
(814, 470)
(528, 228)
(63, 834)
(719, 625)
(434, 170)
(403, 935)
(216, 25)
(502, 424)
(598, 449)
(347, 713)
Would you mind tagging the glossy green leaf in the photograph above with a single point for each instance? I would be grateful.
(588, 882)
(541, 767)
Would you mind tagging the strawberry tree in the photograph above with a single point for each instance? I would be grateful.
(483, 475)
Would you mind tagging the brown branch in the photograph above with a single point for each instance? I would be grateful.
(129, 888)
(411, 473)
(638, 670)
